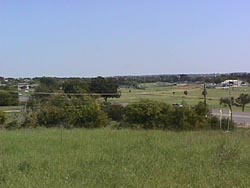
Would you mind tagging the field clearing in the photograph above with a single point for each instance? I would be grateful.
(165, 94)
(123, 158)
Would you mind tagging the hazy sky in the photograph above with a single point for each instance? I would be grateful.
(123, 37)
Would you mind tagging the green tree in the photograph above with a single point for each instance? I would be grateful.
(242, 100)
(75, 86)
(106, 87)
(149, 114)
(50, 116)
(67, 111)
(48, 85)
(49, 82)
(88, 115)
(49, 111)
(8, 98)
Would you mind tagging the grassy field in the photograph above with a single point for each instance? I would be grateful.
(157, 92)
(123, 158)
(161, 92)
(9, 108)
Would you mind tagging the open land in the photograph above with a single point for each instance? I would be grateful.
(157, 92)
(123, 158)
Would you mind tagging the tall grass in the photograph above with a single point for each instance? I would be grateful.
(123, 158)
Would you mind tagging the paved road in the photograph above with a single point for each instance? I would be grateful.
(241, 118)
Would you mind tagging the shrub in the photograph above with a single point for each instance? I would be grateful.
(201, 109)
(157, 115)
(149, 114)
(30, 120)
(214, 123)
(3, 118)
(114, 111)
(184, 118)
(67, 111)
(87, 115)
(12, 125)
(50, 116)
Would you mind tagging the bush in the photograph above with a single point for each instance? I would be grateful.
(30, 120)
(149, 114)
(114, 111)
(183, 118)
(157, 115)
(87, 115)
(214, 123)
(67, 111)
(3, 118)
(50, 116)
(12, 125)
(201, 109)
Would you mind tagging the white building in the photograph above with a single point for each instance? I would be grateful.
(23, 86)
(234, 83)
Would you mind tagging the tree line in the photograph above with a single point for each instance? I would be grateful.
(105, 87)
(87, 112)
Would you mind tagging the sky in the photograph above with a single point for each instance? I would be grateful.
(86, 38)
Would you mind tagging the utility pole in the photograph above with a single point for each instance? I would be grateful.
(204, 93)
(221, 114)
(230, 108)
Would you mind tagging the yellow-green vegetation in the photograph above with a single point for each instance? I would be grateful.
(79, 158)
(175, 94)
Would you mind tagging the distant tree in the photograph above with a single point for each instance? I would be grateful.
(184, 77)
(8, 98)
(75, 86)
(242, 100)
(185, 92)
(217, 80)
(48, 84)
(106, 87)
(49, 81)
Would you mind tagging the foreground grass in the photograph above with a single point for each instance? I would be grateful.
(123, 158)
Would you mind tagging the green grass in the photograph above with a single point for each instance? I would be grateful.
(9, 108)
(165, 94)
(123, 158)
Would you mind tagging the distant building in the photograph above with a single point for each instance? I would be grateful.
(23, 86)
(233, 83)
(2, 85)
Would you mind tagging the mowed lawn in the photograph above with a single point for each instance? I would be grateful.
(157, 92)
(80, 158)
